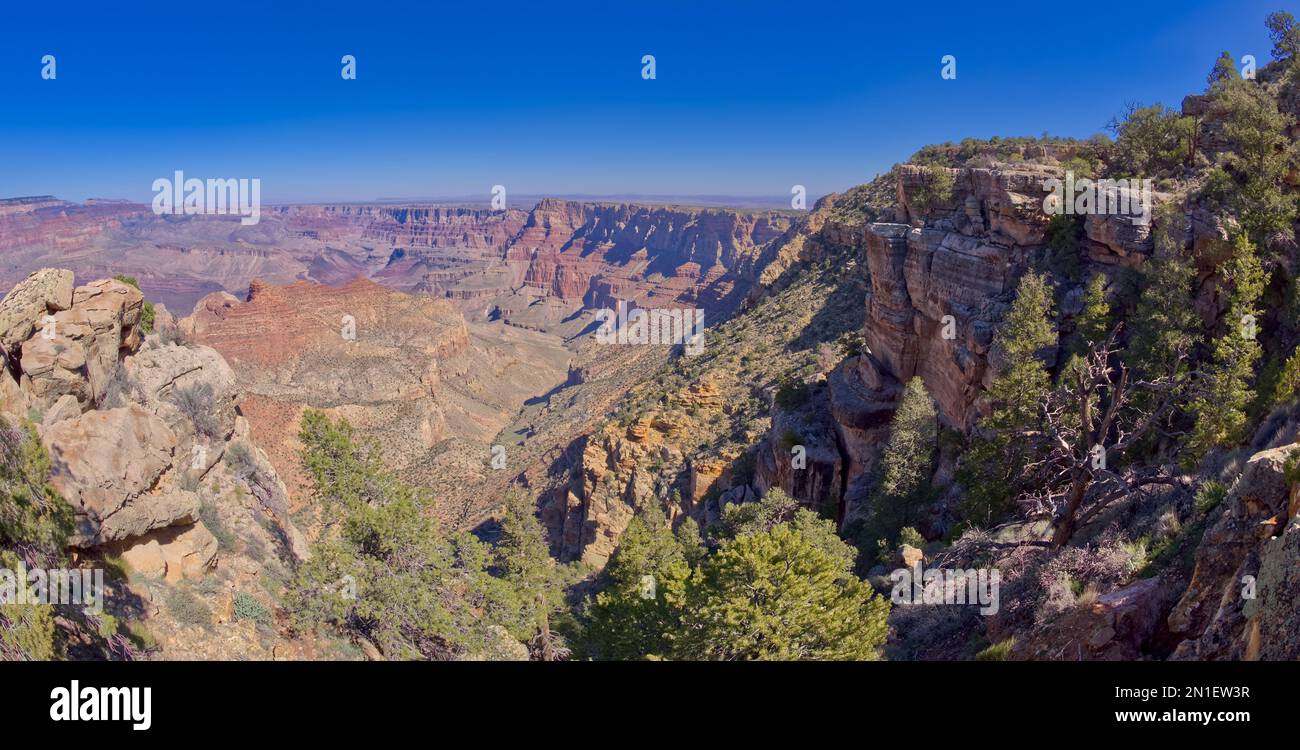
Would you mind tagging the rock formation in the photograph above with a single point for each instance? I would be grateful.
(146, 446)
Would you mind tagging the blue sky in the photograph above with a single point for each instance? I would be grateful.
(750, 98)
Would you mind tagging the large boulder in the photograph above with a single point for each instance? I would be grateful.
(109, 466)
(174, 553)
(45, 291)
(1117, 626)
(161, 374)
(79, 351)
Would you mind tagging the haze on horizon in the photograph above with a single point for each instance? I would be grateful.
(451, 101)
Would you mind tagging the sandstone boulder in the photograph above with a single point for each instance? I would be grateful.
(78, 353)
(1272, 634)
(108, 464)
(163, 373)
(45, 291)
(1115, 627)
(174, 553)
(65, 408)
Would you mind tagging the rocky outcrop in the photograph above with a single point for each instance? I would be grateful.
(109, 465)
(159, 376)
(78, 350)
(1271, 616)
(48, 290)
(145, 440)
(801, 455)
(174, 553)
(1117, 626)
(1215, 617)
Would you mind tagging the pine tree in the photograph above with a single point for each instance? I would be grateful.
(383, 571)
(1025, 332)
(1285, 35)
(908, 459)
(639, 606)
(537, 582)
(1093, 322)
(779, 595)
(1219, 409)
(688, 535)
(1259, 156)
(1225, 69)
(1165, 327)
(1287, 385)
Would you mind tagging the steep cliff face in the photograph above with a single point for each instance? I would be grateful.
(927, 287)
(713, 429)
(647, 253)
(940, 283)
(57, 226)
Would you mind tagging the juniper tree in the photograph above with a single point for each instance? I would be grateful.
(1219, 407)
(35, 523)
(1285, 35)
(1258, 157)
(1089, 421)
(633, 615)
(1287, 384)
(908, 460)
(535, 580)
(383, 570)
(1152, 140)
(1225, 69)
(779, 594)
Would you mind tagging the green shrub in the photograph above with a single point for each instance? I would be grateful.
(249, 608)
(935, 190)
(188, 609)
(198, 403)
(226, 541)
(1210, 495)
(792, 395)
(911, 537)
(997, 652)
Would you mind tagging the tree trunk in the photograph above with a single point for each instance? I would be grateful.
(1064, 528)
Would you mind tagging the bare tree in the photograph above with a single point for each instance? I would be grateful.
(1089, 420)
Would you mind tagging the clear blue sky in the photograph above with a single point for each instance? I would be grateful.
(751, 97)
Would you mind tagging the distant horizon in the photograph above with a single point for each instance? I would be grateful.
(767, 202)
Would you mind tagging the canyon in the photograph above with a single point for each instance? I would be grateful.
(464, 321)
(535, 268)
